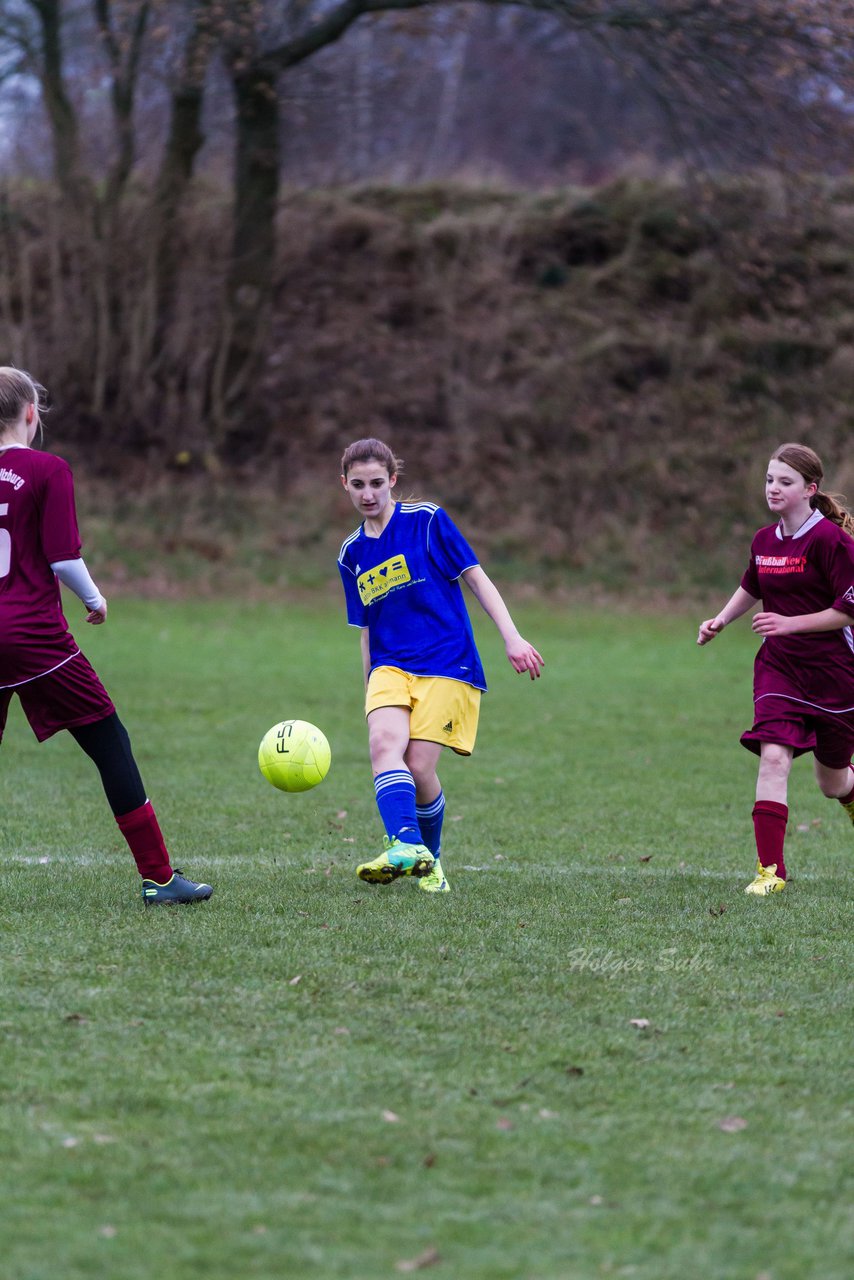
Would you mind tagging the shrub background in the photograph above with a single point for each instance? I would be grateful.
(591, 379)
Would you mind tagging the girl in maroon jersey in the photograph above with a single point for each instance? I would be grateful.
(39, 658)
(802, 569)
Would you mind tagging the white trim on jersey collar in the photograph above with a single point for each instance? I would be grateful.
(808, 524)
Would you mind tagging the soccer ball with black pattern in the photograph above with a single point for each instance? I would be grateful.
(294, 755)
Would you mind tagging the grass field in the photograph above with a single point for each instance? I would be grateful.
(595, 1057)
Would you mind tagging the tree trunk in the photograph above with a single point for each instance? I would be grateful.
(182, 146)
(65, 134)
(249, 288)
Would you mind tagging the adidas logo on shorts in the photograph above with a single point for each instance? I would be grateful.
(449, 727)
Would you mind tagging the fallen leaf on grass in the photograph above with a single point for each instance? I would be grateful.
(107, 1231)
(640, 1023)
(428, 1258)
(647, 858)
(575, 1071)
(545, 1114)
(341, 1031)
(504, 1123)
(429, 1160)
(342, 813)
(390, 1117)
(718, 910)
(732, 1124)
(75, 1017)
(292, 982)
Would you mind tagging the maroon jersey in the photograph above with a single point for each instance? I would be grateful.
(38, 526)
(805, 572)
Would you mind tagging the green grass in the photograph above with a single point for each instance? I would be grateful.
(209, 1091)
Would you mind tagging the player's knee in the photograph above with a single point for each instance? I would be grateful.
(832, 783)
(776, 762)
(383, 746)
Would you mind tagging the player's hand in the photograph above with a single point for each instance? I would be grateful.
(524, 657)
(99, 615)
(773, 624)
(709, 629)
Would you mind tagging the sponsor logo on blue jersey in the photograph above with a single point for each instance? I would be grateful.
(375, 582)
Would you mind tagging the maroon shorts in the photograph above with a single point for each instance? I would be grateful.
(829, 735)
(66, 698)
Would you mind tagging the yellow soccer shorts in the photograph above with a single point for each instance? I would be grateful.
(441, 710)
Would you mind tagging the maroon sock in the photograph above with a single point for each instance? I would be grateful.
(142, 831)
(769, 826)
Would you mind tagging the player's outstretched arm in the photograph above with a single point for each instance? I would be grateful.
(521, 655)
(739, 602)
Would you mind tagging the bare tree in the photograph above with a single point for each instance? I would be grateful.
(746, 65)
(696, 48)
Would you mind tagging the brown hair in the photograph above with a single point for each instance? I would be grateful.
(807, 463)
(18, 389)
(370, 450)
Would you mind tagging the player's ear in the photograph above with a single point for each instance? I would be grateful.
(392, 480)
(344, 481)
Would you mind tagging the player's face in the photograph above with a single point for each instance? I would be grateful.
(786, 491)
(369, 486)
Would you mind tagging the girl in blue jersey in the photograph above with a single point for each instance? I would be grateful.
(401, 572)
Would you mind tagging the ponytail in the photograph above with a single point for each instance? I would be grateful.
(830, 505)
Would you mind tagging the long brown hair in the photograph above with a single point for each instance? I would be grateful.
(370, 450)
(807, 463)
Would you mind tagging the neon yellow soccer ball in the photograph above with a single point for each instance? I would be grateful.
(294, 755)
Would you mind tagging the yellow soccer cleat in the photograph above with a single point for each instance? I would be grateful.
(434, 881)
(767, 881)
(397, 859)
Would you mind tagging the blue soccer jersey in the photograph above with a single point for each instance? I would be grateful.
(404, 587)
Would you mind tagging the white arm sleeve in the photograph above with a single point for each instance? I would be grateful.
(75, 575)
